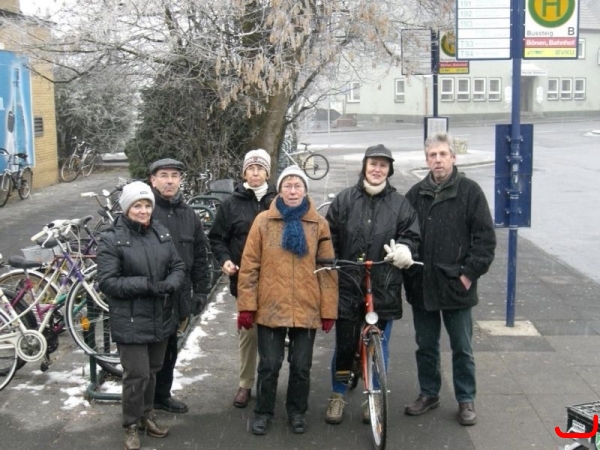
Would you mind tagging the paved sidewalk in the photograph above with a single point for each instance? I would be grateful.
(525, 381)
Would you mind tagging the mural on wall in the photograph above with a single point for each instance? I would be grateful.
(16, 114)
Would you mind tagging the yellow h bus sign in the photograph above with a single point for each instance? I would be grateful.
(551, 13)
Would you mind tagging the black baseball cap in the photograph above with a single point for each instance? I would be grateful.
(379, 151)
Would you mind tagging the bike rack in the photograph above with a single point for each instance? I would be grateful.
(95, 381)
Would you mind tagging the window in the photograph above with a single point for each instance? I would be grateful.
(579, 92)
(552, 89)
(566, 89)
(478, 89)
(581, 49)
(353, 93)
(399, 91)
(495, 89)
(38, 126)
(447, 90)
(463, 91)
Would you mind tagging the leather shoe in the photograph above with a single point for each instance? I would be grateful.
(171, 405)
(466, 414)
(242, 397)
(132, 438)
(298, 424)
(153, 429)
(421, 405)
(260, 425)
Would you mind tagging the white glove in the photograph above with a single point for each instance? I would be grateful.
(399, 255)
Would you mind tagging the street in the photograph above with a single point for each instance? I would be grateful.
(524, 382)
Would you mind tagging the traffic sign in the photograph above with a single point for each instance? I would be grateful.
(483, 29)
(448, 65)
(551, 29)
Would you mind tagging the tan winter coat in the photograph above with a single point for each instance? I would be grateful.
(282, 287)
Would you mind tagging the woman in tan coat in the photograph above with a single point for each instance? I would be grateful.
(279, 291)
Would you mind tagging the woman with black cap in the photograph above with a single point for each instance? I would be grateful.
(138, 270)
(363, 220)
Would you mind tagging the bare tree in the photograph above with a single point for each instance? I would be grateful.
(261, 54)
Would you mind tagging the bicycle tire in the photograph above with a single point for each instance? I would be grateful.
(315, 166)
(5, 188)
(25, 183)
(88, 324)
(376, 384)
(70, 169)
(86, 169)
(8, 354)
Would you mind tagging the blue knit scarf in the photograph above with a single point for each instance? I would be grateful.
(293, 238)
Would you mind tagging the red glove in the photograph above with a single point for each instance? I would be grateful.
(245, 319)
(327, 324)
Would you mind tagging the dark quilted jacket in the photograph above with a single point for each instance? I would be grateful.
(129, 257)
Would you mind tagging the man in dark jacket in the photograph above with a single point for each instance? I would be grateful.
(363, 220)
(227, 239)
(457, 247)
(188, 234)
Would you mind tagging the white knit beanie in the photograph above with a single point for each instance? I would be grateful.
(292, 171)
(260, 157)
(133, 192)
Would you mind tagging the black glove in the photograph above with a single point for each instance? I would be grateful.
(199, 302)
(160, 288)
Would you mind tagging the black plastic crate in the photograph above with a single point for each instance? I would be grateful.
(581, 420)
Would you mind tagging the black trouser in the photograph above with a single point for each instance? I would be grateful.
(271, 351)
(164, 378)
(140, 364)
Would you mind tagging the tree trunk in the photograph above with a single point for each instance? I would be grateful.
(271, 128)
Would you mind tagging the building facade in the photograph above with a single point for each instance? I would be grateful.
(549, 88)
(33, 102)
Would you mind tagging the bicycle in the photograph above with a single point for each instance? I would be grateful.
(82, 161)
(324, 207)
(370, 353)
(20, 179)
(315, 165)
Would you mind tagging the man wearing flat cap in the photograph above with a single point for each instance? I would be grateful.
(188, 234)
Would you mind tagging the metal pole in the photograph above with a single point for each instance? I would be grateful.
(435, 58)
(518, 20)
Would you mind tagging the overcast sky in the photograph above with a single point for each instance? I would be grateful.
(41, 7)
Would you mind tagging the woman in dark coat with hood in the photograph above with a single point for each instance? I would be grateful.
(363, 220)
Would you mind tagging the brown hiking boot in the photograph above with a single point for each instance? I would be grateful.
(132, 438)
(335, 411)
(421, 405)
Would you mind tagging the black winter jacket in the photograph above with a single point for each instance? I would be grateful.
(232, 224)
(130, 260)
(457, 237)
(188, 235)
(360, 226)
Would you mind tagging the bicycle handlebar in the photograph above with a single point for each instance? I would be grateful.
(333, 263)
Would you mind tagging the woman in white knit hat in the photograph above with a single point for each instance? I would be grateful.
(138, 270)
(227, 239)
(280, 294)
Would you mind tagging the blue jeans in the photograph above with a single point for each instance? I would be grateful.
(347, 334)
(271, 351)
(459, 325)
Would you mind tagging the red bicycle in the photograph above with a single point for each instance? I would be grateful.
(370, 352)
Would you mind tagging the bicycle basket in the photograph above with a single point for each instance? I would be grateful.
(40, 254)
(221, 189)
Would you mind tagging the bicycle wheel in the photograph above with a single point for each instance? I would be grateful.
(25, 183)
(5, 188)
(315, 166)
(88, 323)
(376, 383)
(28, 319)
(88, 163)
(12, 280)
(70, 169)
(8, 354)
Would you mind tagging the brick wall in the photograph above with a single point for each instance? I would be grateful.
(42, 92)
